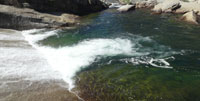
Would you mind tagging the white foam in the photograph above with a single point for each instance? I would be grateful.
(23, 63)
(161, 63)
(20, 61)
(32, 39)
(70, 59)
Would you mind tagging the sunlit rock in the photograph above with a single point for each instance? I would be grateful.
(167, 6)
(126, 8)
(24, 18)
(188, 6)
(190, 17)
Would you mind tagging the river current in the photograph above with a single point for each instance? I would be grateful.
(129, 56)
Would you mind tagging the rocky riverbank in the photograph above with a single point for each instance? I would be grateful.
(25, 18)
(28, 14)
(77, 7)
(189, 9)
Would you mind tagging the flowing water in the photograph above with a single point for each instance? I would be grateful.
(130, 56)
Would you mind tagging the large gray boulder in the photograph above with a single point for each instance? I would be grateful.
(24, 18)
(146, 4)
(79, 7)
(188, 6)
(190, 17)
(126, 8)
(167, 6)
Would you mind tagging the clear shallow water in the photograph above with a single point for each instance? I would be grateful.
(125, 56)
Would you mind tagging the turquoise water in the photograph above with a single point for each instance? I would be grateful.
(130, 56)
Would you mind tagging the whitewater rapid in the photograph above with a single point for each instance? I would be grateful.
(68, 60)
(18, 60)
(23, 69)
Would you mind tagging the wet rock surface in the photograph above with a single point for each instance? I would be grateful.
(36, 91)
(20, 19)
(28, 14)
(79, 7)
(21, 76)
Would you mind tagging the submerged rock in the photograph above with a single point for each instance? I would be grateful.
(79, 7)
(126, 8)
(190, 17)
(18, 18)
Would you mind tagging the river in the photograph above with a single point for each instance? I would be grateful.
(116, 56)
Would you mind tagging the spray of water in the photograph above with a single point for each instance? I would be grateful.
(70, 59)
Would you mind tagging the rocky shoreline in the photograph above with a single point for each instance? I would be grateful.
(29, 14)
(18, 18)
(77, 7)
(189, 9)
